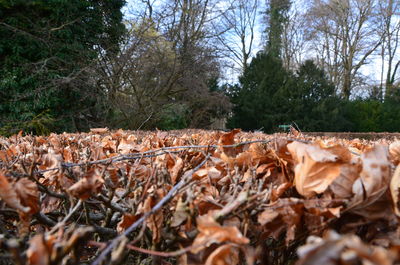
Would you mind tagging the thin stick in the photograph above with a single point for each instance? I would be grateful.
(164, 150)
(66, 218)
(163, 254)
(151, 252)
(150, 153)
(157, 207)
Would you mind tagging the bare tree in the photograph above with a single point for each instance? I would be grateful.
(294, 38)
(238, 21)
(389, 29)
(164, 67)
(344, 36)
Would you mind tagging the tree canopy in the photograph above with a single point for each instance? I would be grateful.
(47, 51)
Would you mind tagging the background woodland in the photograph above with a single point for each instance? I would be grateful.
(73, 65)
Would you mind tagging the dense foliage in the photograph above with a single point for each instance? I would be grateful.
(269, 95)
(72, 65)
(47, 52)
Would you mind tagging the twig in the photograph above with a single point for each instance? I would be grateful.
(144, 122)
(241, 198)
(152, 252)
(66, 218)
(110, 204)
(162, 151)
(157, 207)
(43, 219)
(163, 254)
(157, 152)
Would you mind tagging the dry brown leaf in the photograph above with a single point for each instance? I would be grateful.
(9, 195)
(283, 214)
(155, 221)
(316, 167)
(128, 146)
(334, 249)
(267, 216)
(211, 232)
(279, 191)
(126, 221)
(229, 139)
(374, 178)
(28, 194)
(174, 166)
(141, 171)
(181, 213)
(52, 160)
(224, 255)
(395, 190)
(90, 184)
(99, 130)
(394, 152)
(342, 186)
(211, 172)
(39, 251)
(113, 175)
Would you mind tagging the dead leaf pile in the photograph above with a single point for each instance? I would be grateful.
(221, 198)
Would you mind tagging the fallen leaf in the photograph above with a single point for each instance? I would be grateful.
(28, 194)
(99, 130)
(395, 190)
(127, 147)
(211, 232)
(334, 249)
(394, 152)
(174, 166)
(9, 195)
(349, 173)
(316, 166)
(267, 216)
(126, 221)
(374, 178)
(90, 184)
(229, 139)
(39, 250)
(155, 221)
(180, 214)
(224, 255)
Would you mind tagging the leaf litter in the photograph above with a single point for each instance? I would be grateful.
(198, 197)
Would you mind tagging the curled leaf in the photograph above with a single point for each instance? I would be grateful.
(395, 190)
(99, 130)
(316, 166)
(9, 195)
(224, 255)
(374, 178)
(394, 152)
(211, 232)
(126, 221)
(90, 184)
(334, 249)
(28, 193)
(39, 251)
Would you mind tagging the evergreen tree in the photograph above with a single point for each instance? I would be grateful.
(269, 95)
(315, 104)
(276, 12)
(260, 101)
(47, 53)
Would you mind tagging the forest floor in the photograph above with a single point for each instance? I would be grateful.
(199, 197)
